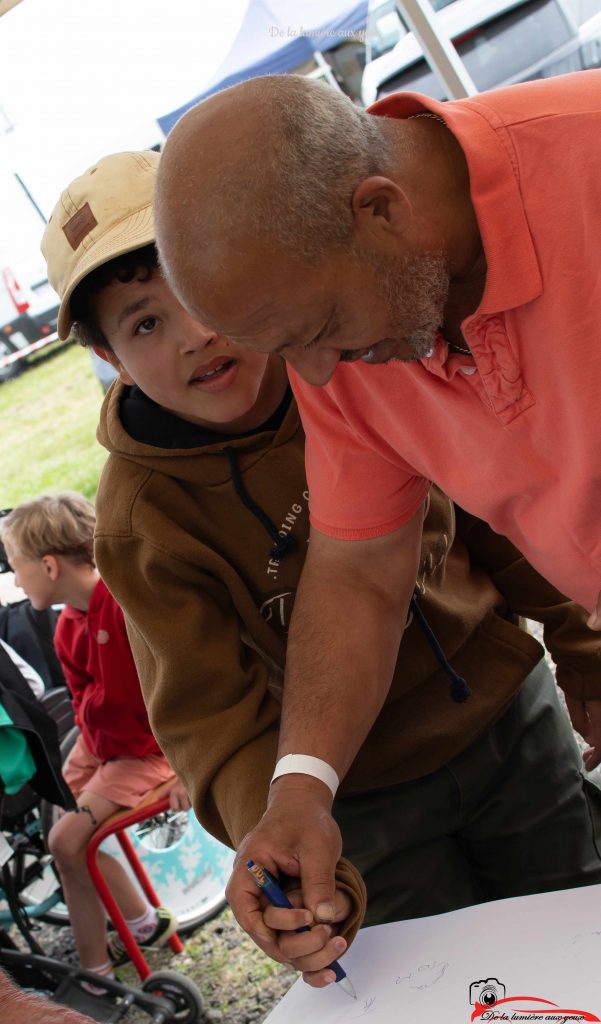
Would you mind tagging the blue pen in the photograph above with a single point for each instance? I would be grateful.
(277, 898)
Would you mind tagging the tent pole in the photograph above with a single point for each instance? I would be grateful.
(438, 48)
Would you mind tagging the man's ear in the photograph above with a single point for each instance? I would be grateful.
(110, 357)
(382, 211)
(51, 566)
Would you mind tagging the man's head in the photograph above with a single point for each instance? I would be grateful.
(48, 542)
(102, 261)
(292, 221)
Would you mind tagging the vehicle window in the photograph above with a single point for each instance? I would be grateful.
(384, 29)
(386, 25)
(514, 42)
(499, 50)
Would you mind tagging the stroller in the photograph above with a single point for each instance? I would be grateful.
(30, 769)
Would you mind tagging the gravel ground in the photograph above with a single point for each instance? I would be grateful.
(239, 984)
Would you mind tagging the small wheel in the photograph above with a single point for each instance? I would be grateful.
(179, 990)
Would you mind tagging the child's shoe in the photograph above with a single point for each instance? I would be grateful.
(166, 923)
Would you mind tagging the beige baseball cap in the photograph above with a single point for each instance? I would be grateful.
(104, 213)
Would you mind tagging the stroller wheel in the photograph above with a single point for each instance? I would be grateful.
(188, 1006)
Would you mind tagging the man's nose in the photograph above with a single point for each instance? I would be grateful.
(316, 366)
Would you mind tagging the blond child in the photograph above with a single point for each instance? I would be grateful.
(115, 760)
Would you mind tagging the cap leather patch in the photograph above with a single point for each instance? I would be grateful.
(80, 225)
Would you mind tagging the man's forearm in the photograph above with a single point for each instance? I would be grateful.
(341, 658)
(343, 646)
(348, 619)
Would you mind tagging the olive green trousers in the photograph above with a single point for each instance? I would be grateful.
(513, 814)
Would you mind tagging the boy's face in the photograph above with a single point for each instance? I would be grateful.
(34, 576)
(182, 365)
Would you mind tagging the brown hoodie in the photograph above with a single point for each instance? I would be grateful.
(185, 552)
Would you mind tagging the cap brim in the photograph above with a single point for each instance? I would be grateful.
(133, 232)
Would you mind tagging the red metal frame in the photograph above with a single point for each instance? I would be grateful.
(116, 826)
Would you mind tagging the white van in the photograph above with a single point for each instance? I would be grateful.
(499, 41)
(28, 315)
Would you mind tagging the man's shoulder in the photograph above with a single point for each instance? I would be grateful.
(561, 96)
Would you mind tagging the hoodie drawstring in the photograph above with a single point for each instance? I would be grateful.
(459, 689)
(282, 545)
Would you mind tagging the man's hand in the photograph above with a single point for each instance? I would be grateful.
(296, 836)
(586, 719)
(178, 797)
(594, 619)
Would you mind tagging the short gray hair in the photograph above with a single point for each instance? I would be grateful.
(290, 182)
(326, 147)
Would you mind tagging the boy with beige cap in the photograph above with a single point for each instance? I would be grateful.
(202, 528)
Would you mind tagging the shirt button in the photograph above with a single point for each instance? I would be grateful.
(468, 370)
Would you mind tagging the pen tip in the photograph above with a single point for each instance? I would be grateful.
(250, 863)
(348, 987)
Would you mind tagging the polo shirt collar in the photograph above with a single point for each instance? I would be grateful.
(513, 276)
(96, 601)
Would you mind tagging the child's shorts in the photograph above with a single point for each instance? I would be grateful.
(124, 780)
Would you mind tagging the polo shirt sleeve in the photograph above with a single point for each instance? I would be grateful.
(356, 492)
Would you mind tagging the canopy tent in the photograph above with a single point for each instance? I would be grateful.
(277, 37)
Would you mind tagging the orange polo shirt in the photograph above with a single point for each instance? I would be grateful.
(513, 435)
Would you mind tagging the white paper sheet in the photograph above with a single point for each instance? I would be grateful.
(545, 947)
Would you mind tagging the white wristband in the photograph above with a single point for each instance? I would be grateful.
(304, 764)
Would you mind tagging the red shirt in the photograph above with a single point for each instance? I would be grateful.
(99, 668)
(514, 436)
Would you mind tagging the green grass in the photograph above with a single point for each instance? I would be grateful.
(49, 416)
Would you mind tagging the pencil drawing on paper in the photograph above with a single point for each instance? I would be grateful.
(366, 1007)
(581, 941)
(423, 976)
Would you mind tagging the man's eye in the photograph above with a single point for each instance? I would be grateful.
(327, 330)
(146, 325)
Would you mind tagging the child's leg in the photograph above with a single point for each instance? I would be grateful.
(131, 902)
(67, 842)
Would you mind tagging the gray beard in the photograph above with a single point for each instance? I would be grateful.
(414, 290)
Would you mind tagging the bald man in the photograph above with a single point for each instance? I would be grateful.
(431, 276)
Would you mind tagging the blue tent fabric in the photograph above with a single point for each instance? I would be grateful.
(271, 43)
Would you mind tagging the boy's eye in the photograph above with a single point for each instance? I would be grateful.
(146, 325)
